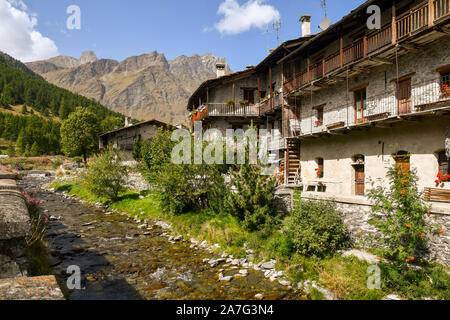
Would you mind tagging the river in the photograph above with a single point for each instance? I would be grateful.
(119, 261)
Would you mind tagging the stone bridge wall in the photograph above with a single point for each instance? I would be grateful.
(15, 226)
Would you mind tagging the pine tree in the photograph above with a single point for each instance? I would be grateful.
(11, 152)
(34, 151)
(20, 147)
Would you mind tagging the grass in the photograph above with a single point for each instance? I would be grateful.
(31, 163)
(37, 257)
(344, 277)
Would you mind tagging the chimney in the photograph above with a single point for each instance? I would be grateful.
(128, 122)
(220, 69)
(306, 25)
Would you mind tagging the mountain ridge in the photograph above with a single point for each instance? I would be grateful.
(146, 86)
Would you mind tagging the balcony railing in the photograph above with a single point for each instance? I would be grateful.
(425, 96)
(406, 25)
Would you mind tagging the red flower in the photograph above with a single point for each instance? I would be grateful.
(429, 212)
(408, 226)
(439, 175)
(441, 232)
(422, 235)
(437, 181)
(408, 260)
(317, 169)
(412, 258)
(403, 192)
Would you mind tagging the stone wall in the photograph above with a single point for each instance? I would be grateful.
(15, 226)
(355, 215)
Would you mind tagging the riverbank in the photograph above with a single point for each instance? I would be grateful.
(336, 277)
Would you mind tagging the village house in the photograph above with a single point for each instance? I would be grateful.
(352, 102)
(126, 137)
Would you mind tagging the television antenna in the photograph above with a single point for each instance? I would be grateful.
(277, 26)
(323, 4)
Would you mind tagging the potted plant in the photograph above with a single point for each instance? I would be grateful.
(276, 92)
(319, 172)
(244, 103)
(230, 103)
(318, 123)
(445, 91)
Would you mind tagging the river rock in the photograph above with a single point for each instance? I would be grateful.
(259, 296)
(225, 279)
(268, 265)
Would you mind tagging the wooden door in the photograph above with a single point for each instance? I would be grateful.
(360, 180)
(404, 96)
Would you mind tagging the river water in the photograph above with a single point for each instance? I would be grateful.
(119, 261)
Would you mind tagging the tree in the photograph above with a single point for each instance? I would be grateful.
(20, 143)
(34, 151)
(111, 123)
(106, 176)
(79, 134)
(11, 152)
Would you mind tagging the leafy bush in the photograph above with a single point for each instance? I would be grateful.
(316, 228)
(399, 214)
(106, 176)
(180, 188)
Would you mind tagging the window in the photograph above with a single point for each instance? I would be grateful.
(445, 84)
(445, 78)
(444, 168)
(249, 95)
(403, 160)
(360, 105)
(320, 168)
(319, 115)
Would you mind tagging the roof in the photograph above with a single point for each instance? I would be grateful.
(293, 45)
(274, 56)
(149, 122)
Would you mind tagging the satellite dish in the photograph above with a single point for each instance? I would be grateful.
(325, 24)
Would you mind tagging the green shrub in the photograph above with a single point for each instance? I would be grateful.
(251, 199)
(106, 176)
(316, 228)
(280, 245)
(399, 213)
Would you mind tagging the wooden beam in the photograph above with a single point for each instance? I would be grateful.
(380, 60)
(394, 24)
(410, 47)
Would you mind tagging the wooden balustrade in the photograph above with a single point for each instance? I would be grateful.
(317, 71)
(379, 39)
(333, 62)
(441, 8)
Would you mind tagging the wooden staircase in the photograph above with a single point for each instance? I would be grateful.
(293, 160)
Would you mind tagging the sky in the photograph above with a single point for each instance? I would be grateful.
(33, 30)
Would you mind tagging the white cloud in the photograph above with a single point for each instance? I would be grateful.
(18, 36)
(240, 18)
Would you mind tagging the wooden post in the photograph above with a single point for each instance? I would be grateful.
(342, 50)
(430, 13)
(365, 49)
(308, 61)
(271, 88)
(234, 92)
(323, 67)
(394, 25)
(259, 95)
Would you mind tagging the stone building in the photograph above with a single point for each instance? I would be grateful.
(125, 138)
(351, 103)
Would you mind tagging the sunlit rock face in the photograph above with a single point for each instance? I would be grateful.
(144, 87)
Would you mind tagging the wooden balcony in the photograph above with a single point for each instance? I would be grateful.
(224, 110)
(424, 17)
(426, 98)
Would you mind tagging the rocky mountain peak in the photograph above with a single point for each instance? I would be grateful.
(88, 57)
